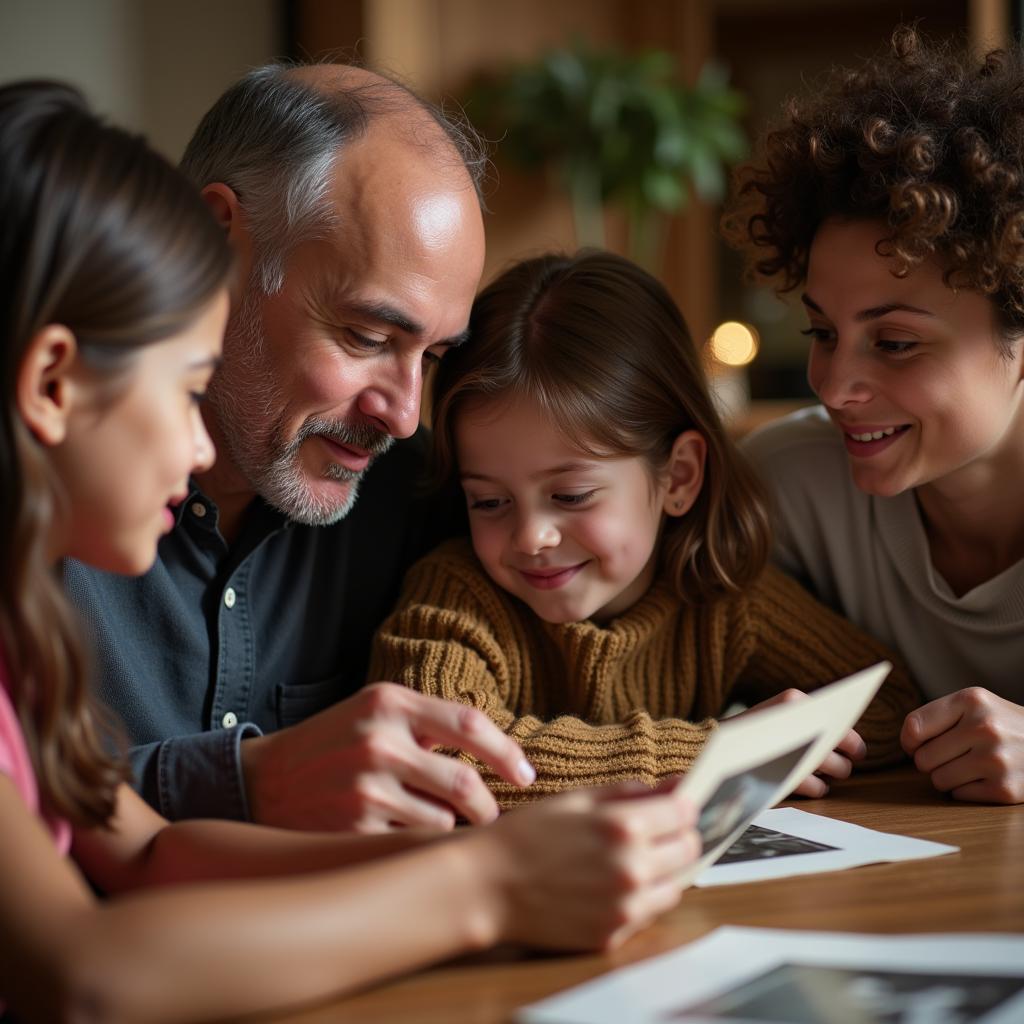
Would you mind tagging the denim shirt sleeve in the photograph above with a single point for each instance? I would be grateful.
(197, 776)
(215, 644)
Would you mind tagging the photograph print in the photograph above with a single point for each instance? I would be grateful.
(742, 796)
(759, 843)
(798, 993)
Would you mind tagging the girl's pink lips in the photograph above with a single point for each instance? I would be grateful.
(170, 515)
(351, 458)
(550, 579)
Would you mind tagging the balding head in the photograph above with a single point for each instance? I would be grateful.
(275, 136)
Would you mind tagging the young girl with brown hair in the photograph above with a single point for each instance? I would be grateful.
(615, 599)
(113, 302)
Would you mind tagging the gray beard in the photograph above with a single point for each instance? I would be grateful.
(249, 405)
(281, 483)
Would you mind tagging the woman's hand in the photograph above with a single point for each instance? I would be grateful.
(837, 765)
(971, 743)
(586, 869)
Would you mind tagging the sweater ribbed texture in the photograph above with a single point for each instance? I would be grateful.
(635, 699)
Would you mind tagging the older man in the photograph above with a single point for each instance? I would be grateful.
(354, 213)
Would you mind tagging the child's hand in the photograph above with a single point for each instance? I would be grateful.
(837, 765)
(971, 743)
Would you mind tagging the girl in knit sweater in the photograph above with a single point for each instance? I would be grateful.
(615, 599)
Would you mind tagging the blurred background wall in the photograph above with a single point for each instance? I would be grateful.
(152, 65)
(156, 66)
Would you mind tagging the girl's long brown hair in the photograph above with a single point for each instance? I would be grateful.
(601, 346)
(104, 237)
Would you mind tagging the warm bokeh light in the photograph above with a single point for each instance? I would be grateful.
(734, 344)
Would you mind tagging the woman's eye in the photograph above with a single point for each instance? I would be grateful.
(819, 334)
(895, 347)
(574, 499)
(197, 397)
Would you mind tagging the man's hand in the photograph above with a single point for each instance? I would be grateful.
(367, 764)
(837, 765)
(971, 743)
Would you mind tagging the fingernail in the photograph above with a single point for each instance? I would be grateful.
(525, 773)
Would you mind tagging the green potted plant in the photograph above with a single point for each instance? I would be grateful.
(619, 130)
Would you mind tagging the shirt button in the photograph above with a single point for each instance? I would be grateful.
(230, 720)
(198, 509)
(229, 597)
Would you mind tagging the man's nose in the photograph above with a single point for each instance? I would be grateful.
(394, 399)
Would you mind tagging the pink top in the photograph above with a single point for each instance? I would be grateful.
(14, 761)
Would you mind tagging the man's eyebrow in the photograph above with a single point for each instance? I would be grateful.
(874, 312)
(456, 340)
(383, 313)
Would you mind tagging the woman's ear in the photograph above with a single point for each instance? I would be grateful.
(685, 472)
(45, 383)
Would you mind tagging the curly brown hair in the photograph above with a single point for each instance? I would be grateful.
(923, 137)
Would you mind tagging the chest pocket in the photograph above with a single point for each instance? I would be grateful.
(299, 701)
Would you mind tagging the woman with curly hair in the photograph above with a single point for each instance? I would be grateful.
(893, 198)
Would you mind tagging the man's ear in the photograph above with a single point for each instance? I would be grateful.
(227, 211)
(45, 384)
(685, 472)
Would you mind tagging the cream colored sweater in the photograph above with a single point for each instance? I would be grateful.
(869, 558)
(635, 699)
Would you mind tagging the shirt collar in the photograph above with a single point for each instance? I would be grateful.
(271, 518)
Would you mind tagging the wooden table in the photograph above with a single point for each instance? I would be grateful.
(979, 889)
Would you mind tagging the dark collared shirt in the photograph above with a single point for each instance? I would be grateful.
(217, 643)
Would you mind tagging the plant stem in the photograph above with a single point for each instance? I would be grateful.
(587, 211)
(646, 235)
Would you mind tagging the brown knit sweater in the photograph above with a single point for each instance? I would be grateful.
(635, 699)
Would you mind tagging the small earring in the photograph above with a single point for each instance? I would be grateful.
(679, 506)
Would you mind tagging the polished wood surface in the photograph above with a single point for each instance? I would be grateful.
(981, 888)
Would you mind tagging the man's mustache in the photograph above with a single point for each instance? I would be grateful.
(359, 435)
